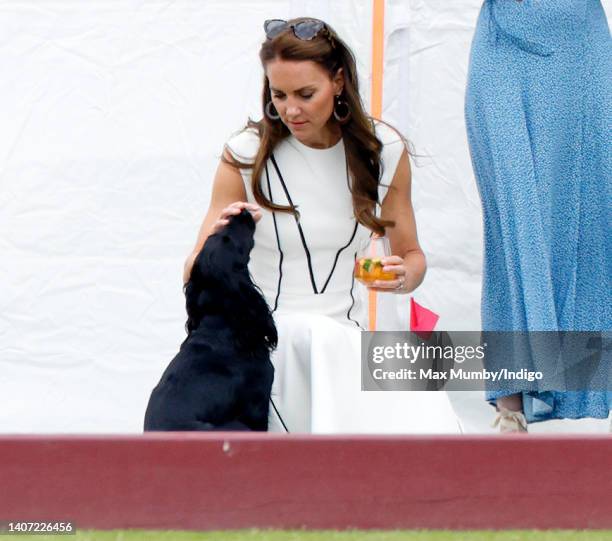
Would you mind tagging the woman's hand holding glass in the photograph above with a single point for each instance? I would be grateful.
(393, 264)
(377, 269)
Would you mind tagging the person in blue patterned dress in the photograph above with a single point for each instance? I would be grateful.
(538, 115)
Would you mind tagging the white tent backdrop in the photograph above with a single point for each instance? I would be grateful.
(114, 115)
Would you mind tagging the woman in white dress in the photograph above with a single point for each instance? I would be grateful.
(319, 177)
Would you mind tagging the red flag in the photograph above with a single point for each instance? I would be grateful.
(422, 320)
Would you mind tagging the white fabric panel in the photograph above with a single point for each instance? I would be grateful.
(114, 115)
(427, 49)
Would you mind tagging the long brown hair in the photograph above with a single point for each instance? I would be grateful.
(362, 147)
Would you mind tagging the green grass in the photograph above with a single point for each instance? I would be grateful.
(354, 535)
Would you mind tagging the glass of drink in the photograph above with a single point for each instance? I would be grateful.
(368, 262)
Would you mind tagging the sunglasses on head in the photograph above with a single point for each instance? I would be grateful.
(306, 29)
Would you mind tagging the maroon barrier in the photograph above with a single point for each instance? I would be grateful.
(227, 481)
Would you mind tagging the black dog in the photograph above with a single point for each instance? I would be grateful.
(221, 378)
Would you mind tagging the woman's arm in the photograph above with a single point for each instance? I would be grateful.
(228, 198)
(408, 260)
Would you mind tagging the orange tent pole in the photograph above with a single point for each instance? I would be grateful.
(378, 42)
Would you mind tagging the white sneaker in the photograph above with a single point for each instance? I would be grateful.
(510, 421)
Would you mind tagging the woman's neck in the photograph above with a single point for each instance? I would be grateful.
(326, 138)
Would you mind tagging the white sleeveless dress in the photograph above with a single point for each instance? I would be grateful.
(305, 271)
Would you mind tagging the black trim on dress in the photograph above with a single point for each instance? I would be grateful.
(278, 287)
(303, 237)
(280, 251)
(348, 313)
(280, 418)
(338, 255)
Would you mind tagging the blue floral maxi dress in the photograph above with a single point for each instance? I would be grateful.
(538, 116)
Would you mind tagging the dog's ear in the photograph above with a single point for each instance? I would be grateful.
(252, 319)
(210, 270)
(197, 302)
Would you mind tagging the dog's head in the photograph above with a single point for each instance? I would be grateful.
(220, 284)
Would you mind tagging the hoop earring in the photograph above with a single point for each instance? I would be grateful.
(341, 104)
(269, 114)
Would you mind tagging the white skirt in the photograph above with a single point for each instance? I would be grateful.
(317, 386)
